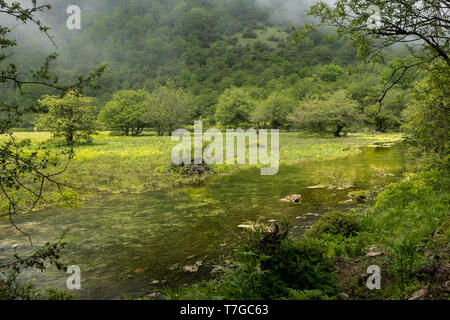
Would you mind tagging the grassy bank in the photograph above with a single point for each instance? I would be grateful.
(405, 232)
(116, 164)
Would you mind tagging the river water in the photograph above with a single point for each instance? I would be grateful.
(133, 244)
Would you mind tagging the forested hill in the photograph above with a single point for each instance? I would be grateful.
(205, 46)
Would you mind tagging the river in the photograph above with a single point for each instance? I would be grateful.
(133, 244)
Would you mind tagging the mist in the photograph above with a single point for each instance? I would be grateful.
(288, 11)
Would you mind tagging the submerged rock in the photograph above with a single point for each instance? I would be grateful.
(156, 295)
(247, 226)
(295, 198)
(217, 269)
(344, 296)
(310, 214)
(193, 268)
(139, 270)
(343, 186)
(384, 175)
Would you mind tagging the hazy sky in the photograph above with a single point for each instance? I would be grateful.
(288, 11)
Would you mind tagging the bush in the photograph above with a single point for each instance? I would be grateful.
(336, 223)
(271, 266)
(249, 34)
(413, 208)
(345, 247)
(401, 194)
(12, 289)
(306, 295)
(404, 257)
(360, 195)
(330, 72)
(301, 265)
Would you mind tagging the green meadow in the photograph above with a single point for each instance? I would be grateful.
(120, 164)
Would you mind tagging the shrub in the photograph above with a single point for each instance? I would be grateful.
(336, 223)
(404, 257)
(24, 142)
(12, 289)
(306, 295)
(414, 187)
(249, 34)
(330, 72)
(346, 247)
(360, 195)
(301, 265)
(271, 266)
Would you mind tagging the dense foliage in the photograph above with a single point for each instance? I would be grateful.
(204, 47)
(126, 111)
(71, 117)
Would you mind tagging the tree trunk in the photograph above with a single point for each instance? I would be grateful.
(69, 138)
(381, 127)
(337, 133)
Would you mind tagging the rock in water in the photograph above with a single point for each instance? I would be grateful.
(193, 268)
(295, 198)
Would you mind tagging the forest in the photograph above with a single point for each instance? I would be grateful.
(87, 120)
(181, 42)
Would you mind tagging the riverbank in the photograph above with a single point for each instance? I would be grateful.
(404, 235)
(117, 164)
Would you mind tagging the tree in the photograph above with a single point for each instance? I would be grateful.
(388, 117)
(422, 24)
(427, 116)
(336, 111)
(330, 72)
(24, 174)
(71, 117)
(126, 111)
(198, 25)
(274, 110)
(168, 108)
(234, 107)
